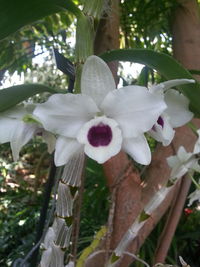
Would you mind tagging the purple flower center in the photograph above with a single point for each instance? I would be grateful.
(100, 135)
(160, 121)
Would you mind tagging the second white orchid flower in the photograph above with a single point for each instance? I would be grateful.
(102, 120)
(177, 113)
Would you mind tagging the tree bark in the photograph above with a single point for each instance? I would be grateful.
(186, 34)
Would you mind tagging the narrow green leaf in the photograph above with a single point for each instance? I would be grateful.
(165, 65)
(11, 96)
(143, 77)
(15, 14)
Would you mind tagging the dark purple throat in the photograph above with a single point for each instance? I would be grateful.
(160, 121)
(100, 135)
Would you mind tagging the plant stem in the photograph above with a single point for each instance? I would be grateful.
(43, 213)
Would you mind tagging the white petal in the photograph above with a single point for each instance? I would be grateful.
(103, 152)
(97, 79)
(197, 144)
(16, 112)
(9, 121)
(194, 196)
(182, 163)
(163, 134)
(169, 84)
(183, 155)
(23, 133)
(138, 149)
(173, 161)
(177, 108)
(7, 129)
(50, 140)
(64, 114)
(134, 108)
(65, 149)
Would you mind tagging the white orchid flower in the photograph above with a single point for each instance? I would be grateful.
(194, 196)
(176, 114)
(101, 120)
(15, 130)
(182, 163)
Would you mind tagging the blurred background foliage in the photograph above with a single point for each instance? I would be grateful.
(144, 24)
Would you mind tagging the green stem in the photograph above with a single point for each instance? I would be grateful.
(193, 128)
(194, 181)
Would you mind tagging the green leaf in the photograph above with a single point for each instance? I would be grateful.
(15, 14)
(11, 96)
(165, 65)
(143, 77)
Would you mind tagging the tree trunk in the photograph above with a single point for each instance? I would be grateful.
(186, 34)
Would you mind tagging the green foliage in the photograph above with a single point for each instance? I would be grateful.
(18, 218)
(11, 96)
(18, 212)
(17, 51)
(146, 24)
(95, 203)
(18, 13)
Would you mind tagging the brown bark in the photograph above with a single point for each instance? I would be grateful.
(107, 35)
(186, 34)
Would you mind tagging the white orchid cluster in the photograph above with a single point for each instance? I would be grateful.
(186, 162)
(101, 120)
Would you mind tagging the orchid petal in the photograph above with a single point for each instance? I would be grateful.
(96, 79)
(194, 196)
(65, 148)
(163, 134)
(65, 114)
(169, 84)
(7, 129)
(9, 121)
(50, 140)
(183, 155)
(177, 108)
(23, 133)
(138, 149)
(181, 163)
(134, 108)
(16, 112)
(197, 144)
(101, 153)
